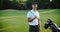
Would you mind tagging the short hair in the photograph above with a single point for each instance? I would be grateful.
(34, 3)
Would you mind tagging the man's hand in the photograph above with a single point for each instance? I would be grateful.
(31, 19)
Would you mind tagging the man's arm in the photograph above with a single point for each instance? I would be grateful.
(39, 24)
(30, 20)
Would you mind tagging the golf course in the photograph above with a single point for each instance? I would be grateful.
(16, 20)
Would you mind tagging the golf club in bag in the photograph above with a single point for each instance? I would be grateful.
(52, 26)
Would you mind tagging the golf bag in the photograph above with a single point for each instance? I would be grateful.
(52, 26)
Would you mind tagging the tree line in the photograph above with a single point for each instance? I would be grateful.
(43, 4)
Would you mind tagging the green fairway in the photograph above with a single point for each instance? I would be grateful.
(16, 20)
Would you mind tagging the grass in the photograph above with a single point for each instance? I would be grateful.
(16, 20)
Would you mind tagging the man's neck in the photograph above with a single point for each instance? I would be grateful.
(34, 9)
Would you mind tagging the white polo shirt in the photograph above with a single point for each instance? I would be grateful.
(31, 14)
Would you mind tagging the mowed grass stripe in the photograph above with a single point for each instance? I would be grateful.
(26, 13)
(49, 11)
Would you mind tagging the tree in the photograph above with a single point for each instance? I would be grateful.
(56, 3)
(13, 4)
(4, 4)
(41, 3)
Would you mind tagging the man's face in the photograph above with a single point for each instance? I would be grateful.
(35, 6)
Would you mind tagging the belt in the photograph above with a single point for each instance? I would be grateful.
(33, 25)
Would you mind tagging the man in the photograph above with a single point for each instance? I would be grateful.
(33, 19)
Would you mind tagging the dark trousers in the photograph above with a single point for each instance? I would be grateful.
(33, 28)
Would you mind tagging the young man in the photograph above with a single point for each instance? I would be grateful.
(33, 19)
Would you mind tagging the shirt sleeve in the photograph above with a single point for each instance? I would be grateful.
(38, 14)
(28, 15)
